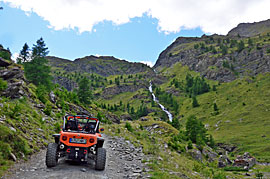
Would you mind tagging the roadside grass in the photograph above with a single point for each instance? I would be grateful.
(163, 161)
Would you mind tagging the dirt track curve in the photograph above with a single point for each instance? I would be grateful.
(123, 161)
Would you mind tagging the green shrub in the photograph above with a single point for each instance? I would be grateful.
(3, 84)
(128, 127)
(57, 127)
(20, 144)
(259, 175)
(42, 93)
(48, 108)
(195, 102)
(14, 111)
(5, 149)
(190, 146)
(5, 55)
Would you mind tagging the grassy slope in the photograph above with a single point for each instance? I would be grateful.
(32, 133)
(243, 105)
(164, 162)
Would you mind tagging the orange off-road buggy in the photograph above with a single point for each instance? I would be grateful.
(79, 140)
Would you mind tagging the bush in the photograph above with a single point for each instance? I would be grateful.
(175, 123)
(3, 84)
(42, 93)
(14, 111)
(194, 102)
(57, 127)
(5, 55)
(5, 149)
(259, 175)
(48, 108)
(128, 127)
(190, 146)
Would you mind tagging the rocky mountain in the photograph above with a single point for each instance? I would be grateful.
(102, 65)
(224, 82)
(222, 58)
(251, 29)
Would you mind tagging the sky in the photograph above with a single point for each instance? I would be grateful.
(134, 30)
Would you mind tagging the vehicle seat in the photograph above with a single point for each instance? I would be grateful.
(90, 127)
(72, 125)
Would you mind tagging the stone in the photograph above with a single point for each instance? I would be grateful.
(244, 161)
(83, 169)
(13, 129)
(227, 147)
(52, 97)
(143, 119)
(40, 106)
(196, 154)
(4, 63)
(138, 170)
(209, 153)
(224, 161)
(13, 157)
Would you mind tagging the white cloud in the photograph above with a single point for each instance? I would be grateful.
(213, 16)
(14, 56)
(149, 63)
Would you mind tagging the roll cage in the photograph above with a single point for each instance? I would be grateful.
(81, 123)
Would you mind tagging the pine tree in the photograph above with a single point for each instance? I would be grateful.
(195, 130)
(176, 124)
(215, 107)
(37, 70)
(40, 49)
(24, 54)
(194, 102)
(84, 92)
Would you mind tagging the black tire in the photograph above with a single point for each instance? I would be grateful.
(101, 159)
(51, 155)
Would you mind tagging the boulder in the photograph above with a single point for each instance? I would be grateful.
(13, 73)
(245, 161)
(209, 154)
(4, 63)
(196, 154)
(126, 117)
(52, 97)
(224, 161)
(13, 157)
(227, 147)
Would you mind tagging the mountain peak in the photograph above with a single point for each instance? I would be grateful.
(250, 29)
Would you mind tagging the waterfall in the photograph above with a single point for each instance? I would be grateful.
(160, 105)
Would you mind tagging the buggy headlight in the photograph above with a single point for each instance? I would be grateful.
(91, 140)
(64, 138)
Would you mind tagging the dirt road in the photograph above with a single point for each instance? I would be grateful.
(123, 161)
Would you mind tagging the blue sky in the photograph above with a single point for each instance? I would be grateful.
(133, 31)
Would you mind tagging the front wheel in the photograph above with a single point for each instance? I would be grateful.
(51, 155)
(101, 159)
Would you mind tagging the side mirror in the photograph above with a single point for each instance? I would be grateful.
(101, 129)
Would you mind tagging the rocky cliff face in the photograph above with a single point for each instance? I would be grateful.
(222, 58)
(16, 82)
(251, 29)
(103, 65)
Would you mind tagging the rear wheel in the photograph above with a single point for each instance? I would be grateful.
(51, 155)
(101, 159)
